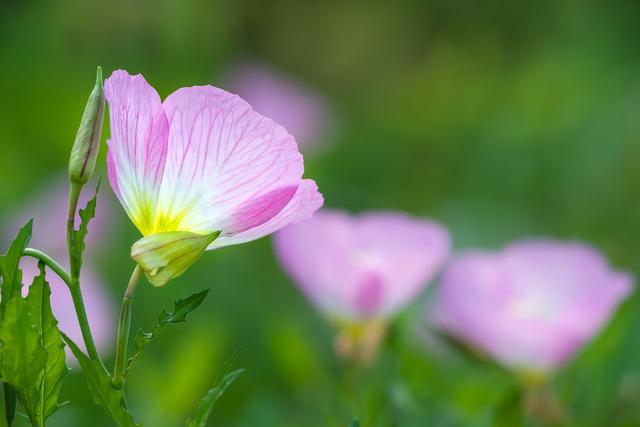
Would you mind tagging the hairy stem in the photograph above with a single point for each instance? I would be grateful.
(124, 325)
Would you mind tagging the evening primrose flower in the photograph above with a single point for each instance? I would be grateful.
(532, 305)
(361, 270)
(296, 106)
(203, 166)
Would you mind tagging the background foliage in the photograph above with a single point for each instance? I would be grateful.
(500, 119)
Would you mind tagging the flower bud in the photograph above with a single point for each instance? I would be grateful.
(85, 149)
(165, 256)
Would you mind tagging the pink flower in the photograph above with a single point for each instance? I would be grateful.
(531, 306)
(363, 268)
(304, 113)
(202, 161)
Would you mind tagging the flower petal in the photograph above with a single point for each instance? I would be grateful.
(531, 305)
(302, 206)
(138, 145)
(223, 158)
(358, 268)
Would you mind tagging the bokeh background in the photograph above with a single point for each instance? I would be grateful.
(500, 119)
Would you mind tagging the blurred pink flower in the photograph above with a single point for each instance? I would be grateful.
(202, 161)
(303, 113)
(48, 208)
(532, 305)
(362, 268)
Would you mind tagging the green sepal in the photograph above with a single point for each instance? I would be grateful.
(167, 255)
(181, 308)
(77, 237)
(205, 407)
(33, 358)
(355, 423)
(99, 382)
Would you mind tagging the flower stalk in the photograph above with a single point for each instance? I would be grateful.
(124, 326)
(74, 278)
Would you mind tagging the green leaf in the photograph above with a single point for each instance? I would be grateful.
(99, 382)
(10, 273)
(8, 409)
(77, 237)
(32, 351)
(181, 309)
(206, 404)
(11, 280)
(355, 422)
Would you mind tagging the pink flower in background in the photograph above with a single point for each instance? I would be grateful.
(201, 162)
(303, 113)
(48, 208)
(362, 268)
(531, 306)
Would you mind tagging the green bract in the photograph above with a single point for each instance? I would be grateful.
(165, 256)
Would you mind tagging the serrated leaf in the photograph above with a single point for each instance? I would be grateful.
(99, 382)
(10, 273)
(355, 423)
(32, 351)
(79, 235)
(206, 404)
(11, 280)
(181, 308)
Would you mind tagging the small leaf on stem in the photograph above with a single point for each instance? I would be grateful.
(77, 237)
(206, 404)
(181, 308)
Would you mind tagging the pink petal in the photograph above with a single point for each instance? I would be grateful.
(357, 268)
(291, 103)
(305, 202)
(222, 158)
(138, 145)
(532, 305)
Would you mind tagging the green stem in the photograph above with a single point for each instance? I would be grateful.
(49, 262)
(124, 325)
(83, 321)
(74, 282)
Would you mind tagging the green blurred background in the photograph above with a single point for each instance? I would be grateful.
(500, 119)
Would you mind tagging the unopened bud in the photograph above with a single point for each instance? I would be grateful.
(85, 149)
(165, 256)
